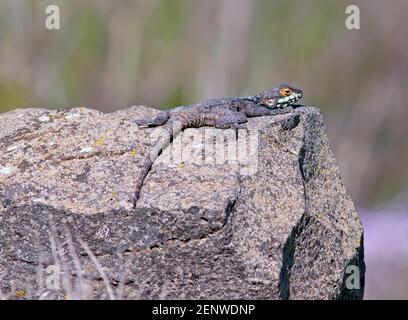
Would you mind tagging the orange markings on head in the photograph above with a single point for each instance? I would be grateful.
(285, 92)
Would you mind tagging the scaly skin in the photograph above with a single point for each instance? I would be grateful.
(220, 113)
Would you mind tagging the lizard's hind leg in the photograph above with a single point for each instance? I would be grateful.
(159, 120)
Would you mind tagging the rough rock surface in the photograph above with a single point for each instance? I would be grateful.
(273, 222)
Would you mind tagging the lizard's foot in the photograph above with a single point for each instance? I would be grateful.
(279, 111)
(156, 121)
(290, 123)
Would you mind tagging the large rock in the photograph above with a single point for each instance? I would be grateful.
(272, 221)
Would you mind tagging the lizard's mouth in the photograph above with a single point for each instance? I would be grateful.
(286, 101)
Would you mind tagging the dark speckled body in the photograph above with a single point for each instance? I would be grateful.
(220, 113)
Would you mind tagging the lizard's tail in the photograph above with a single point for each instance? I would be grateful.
(161, 144)
(147, 165)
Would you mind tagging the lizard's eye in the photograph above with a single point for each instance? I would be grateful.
(285, 92)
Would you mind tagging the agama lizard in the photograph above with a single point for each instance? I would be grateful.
(218, 113)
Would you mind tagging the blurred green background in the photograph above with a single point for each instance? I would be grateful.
(162, 53)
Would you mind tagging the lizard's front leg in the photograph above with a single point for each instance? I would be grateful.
(259, 111)
(230, 119)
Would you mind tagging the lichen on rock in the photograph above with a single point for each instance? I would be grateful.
(270, 222)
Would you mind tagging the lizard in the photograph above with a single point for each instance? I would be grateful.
(219, 113)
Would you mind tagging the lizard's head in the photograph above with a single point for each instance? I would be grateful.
(280, 97)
